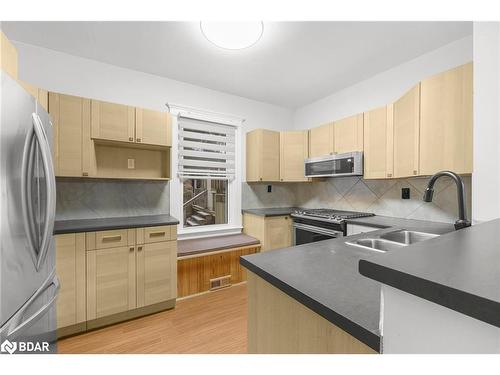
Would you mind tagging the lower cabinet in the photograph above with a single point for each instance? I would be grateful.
(114, 275)
(156, 272)
(273, 232)
(111, 281)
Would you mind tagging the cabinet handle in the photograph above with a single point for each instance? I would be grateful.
(131, 248)
(415, 172)
(131, 139)
(85, 174)
(260, 178)
(157, 234)
(139, 248)
(112, 238)
(138, 139)
(389, 174)
(281, 179)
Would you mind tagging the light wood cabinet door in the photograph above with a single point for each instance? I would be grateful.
(156, 272)
(113, 122)
(153, 127)
(321, 140)
(262, 155)
(111, 281)
(378, 143)
(70, 269)
(278, 232)
(407, 133)
(348, 134)
(294, 149)
(446, 121)
(8, 56)
(73, 148)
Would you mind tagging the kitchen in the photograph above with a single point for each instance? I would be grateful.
(192, 211)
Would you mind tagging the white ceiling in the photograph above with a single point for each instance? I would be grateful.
(295, 63)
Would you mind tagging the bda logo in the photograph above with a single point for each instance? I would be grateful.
(8, 347)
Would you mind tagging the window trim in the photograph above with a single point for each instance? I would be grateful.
(234, 224)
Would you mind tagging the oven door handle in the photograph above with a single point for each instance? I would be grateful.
(311, 228)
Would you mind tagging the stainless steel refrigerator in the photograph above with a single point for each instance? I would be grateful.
(28, 284)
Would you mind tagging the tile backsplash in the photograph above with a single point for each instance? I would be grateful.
(86, 198)
(382, 197)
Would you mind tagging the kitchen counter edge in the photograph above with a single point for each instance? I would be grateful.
(100, 224)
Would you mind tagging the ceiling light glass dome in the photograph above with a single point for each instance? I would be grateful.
(232, 35)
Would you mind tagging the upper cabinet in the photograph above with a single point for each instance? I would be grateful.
(122, 123)
(294, 149)
(8, 56)
(73, 148)
(79, 125)
(407, 133)
(378, 140)
(321, 140)
(446, 121)
(113, 122)
(263, 155)
(348, 134)
(153, 127)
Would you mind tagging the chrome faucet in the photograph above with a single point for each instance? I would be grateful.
(462, 221)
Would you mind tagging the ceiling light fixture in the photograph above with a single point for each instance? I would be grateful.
(232, 35)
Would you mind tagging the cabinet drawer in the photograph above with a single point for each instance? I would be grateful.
(111, 238)
(158, 234)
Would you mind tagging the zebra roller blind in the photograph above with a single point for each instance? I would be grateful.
(206, 149)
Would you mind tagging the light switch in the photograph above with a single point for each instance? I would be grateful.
(131, 164)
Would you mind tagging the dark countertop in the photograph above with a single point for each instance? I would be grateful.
(459, 270)
(274, 211)
(93, 225)
(324, 277)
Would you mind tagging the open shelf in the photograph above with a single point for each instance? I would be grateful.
(112, 161)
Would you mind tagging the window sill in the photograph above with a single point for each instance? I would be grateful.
(208, 231)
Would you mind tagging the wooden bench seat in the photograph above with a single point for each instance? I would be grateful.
(205, 264)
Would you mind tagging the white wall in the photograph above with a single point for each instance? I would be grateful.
(486, 176)
(384, 87)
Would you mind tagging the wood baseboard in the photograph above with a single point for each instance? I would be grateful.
(113, 319)
(71, 330)
(130, 314)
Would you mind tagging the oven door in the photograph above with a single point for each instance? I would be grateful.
(304, 233)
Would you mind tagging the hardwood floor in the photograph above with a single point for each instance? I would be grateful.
(211, 323)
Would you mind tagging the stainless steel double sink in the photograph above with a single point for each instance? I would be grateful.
(392, 240)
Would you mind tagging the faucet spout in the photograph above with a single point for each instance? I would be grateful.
(462, 221)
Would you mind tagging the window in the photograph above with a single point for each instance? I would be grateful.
(205, 202)
(207, 175)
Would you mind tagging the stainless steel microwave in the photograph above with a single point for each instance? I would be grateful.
(348, 164)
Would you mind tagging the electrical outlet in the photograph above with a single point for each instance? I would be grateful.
(269, 188)
(131, 163)
(405, 193)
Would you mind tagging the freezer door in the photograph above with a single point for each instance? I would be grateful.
(32, 329)
(26, 215)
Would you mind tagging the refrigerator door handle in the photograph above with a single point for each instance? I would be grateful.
(26, 192)
(17, 325)
(50, 185)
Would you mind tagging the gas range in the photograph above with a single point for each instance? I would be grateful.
(312, 225)
(329, 215)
